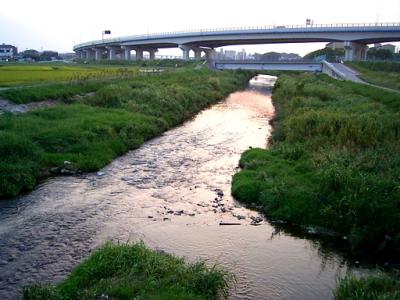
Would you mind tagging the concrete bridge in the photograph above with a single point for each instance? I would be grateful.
(356, 37)
(289, 65)
(336, 70)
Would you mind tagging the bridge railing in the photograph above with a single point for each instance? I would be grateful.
(268, 27)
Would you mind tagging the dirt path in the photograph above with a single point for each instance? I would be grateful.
(7, 106)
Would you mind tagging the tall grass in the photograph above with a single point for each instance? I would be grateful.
(135, 272)
(334, 161)
(386, 74)
(89, 134)
(374, 287)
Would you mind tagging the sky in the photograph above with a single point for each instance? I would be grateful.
(56, 25)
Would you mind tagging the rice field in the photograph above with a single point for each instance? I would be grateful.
(12, 75)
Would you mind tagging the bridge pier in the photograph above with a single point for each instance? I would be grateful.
(139, 54)
(355, 51)
(211, 54)
(152, 54)
(112, 51)
(126, 52)
(97, 53)
(80, 54)
(197, 53)
(89, 54)
(185, 52)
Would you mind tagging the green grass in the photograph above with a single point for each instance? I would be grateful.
(334, 161)
(374, 287)
(386, 74)
(27, 74)
(55, 91)
(89, 134)
(135, 272)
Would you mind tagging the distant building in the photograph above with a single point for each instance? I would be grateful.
(241, 55)
(7, 51)
(390, 47)
(230, 54)
(335, 45)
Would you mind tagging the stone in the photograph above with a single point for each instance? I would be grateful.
(65, 171)
(312, 230)
(228, 223)
(255, 223)
(219, 192)
(256, 219)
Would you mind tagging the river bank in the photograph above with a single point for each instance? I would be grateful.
(84, 136)
(331, 164)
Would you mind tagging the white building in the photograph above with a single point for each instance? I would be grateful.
(230, 54)
(7, 51)
(390, 47)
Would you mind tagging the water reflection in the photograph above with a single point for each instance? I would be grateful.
(173, 192)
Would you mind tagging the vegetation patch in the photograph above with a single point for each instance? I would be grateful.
(135, 272)
(86, 136)
(27, 74)
(386, 74)
(374, 287)
(334, 162)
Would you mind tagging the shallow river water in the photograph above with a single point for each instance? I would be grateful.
(165, 193)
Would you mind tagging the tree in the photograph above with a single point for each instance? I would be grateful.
(379, 54)
(328, 54)
(31, 54)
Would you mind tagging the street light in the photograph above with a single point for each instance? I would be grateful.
(105, 32)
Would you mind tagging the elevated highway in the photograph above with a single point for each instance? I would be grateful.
(356, 37)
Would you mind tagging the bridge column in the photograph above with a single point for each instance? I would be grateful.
(127, 52)
(152, 54)
(97, 53)
(112, 51)
(89, 54)
(139, 54)
(197, 53)
(80, 54)
(211, 54)
(355, 51)
(185, 52)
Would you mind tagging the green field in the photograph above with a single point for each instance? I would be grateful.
(386, 74)
(93, 131)
(135, 272)
(28, 74)
(334, 162)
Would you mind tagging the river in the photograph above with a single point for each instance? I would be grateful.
(166, 194)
